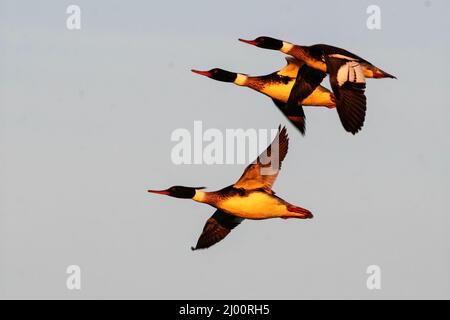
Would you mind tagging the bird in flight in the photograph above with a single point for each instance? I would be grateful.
(278, 86)
(251, 197)
(347, 71)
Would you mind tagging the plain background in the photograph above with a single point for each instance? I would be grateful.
(85, 124)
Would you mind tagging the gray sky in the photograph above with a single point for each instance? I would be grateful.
(85, 124)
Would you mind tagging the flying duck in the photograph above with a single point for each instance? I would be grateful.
(251, 197)
(278, 86)
(347, 76)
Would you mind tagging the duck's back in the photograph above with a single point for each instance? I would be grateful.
(317, 50)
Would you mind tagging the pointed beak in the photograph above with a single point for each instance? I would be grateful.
(203, 73)
(252, 42)
(163, 192)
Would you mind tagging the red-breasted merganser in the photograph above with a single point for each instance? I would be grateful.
(251, 197)
(278, 86)
(347, 76)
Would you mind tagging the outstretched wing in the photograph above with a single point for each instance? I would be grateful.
(263, 172)
(348, 83)
(305, 83)
(216, 228)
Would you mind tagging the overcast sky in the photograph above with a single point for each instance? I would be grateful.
(85, 124)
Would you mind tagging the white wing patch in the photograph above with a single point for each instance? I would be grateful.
(352, 72)
(341, 56)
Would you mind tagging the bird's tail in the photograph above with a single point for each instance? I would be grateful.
(378, 73)
(384, 74)
(300, 212)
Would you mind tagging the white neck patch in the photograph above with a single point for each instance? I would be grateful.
(199, 196)
(287, 46)
(241, 79)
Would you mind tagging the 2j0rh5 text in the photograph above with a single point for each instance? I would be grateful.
(229, 310)
(245, 309)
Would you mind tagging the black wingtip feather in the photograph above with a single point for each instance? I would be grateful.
(351, 106)
(299, 123)
(296, 116)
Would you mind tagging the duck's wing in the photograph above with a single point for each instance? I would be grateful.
(262, 173)
(296, 115)
(348, 83)
(216, 228)
(291, 68)
(305, 83)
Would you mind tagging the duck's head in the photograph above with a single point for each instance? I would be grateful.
(266, 43)
(178, 192)
(218, 74)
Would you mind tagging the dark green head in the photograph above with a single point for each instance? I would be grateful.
(218, 74)
(178, 192)
(265, 42)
